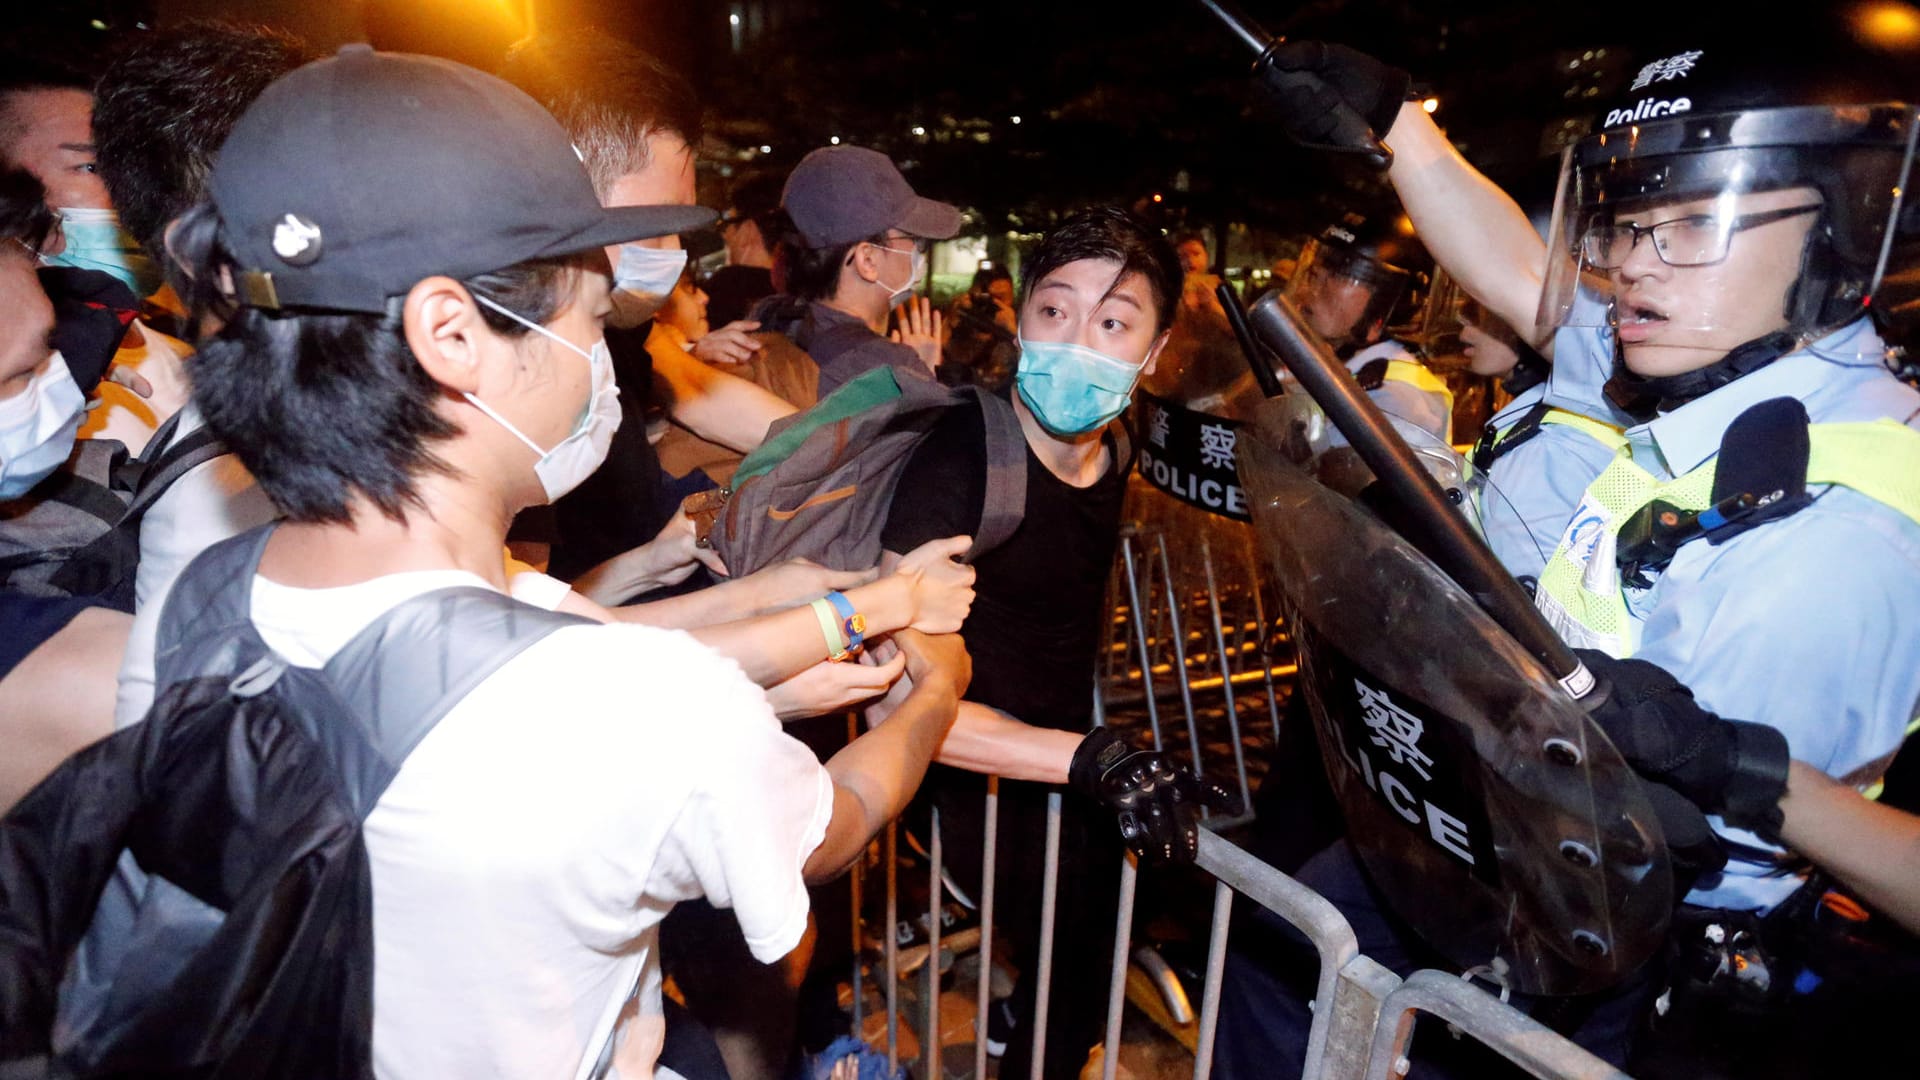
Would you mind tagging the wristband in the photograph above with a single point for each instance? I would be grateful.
(853, 625)
(830, 629)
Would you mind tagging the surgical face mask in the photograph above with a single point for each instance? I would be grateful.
(1072, 389)
(37, 427)
(642, 281)
(95, 241)
(915, 265)
(562, 468)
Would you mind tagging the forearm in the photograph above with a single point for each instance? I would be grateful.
(1874, 849)
(716, 406)
(878, 772)
(627, 574)
(771, 647)
(986, 740)
(1474, 230)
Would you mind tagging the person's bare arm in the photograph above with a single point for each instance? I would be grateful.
(986, 740)
(1874, 849)
(1473, 228)
(714, 405)
(878, 772)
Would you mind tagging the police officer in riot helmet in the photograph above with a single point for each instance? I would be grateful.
(1729, 247)
(1361, 276)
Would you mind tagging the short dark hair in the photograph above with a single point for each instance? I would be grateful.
(987, 275)
(1113, 234)
(24, 214)
(166, 104)
(814, 273)
(24, 71)
(611, 97)
(322, 406)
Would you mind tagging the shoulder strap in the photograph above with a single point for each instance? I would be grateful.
(177, 460)
(402, 673)
(1006, 491)
(1496, 443)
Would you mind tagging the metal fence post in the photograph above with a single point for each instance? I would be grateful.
(983, 995)
(1049, 893)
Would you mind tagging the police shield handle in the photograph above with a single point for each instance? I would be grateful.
(1435, 527)
(1344, 130)
(1258, 358)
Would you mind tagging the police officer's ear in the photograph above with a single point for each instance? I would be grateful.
(444, 330)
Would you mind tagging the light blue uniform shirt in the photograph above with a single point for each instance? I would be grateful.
(1810, 623)
(1530, 493)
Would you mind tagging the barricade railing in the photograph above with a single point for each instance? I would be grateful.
(1189, 631)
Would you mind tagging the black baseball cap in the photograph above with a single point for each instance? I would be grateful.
(352, 178)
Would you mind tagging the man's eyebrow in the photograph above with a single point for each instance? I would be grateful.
(78, 147)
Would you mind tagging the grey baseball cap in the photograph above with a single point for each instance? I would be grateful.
(840, 194)
(356, 176)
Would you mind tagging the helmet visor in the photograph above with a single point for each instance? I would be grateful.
(1689, 237)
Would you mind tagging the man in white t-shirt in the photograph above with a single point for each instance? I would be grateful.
(449, 329)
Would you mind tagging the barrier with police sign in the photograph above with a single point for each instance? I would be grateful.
(1497, 821)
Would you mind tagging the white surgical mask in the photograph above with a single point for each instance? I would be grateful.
(641, 281)
(37, 426)
(915, 265)
(562, 468)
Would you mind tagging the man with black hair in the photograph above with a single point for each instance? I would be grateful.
(1097, 302)
(163, 109)
(751, 228)
(635, 122)
(528, 845)
(857, 252)
(56, 653)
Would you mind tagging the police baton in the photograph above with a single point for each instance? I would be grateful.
(1258, 358)
(1430, 520)
(1347, 133)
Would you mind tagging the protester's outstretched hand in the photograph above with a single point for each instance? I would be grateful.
(1157, 804)
(919, 329)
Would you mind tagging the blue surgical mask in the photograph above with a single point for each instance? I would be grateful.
(1072, 389)
(641, 281)
(95, 241)
(37, 426)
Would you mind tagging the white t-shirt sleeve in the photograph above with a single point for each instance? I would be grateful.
(758, 806)
(530, 586)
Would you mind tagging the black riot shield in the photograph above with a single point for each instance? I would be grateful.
(1500, 823)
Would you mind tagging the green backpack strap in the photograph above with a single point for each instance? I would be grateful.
(856, 395)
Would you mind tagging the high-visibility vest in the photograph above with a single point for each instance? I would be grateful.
(1580, 590)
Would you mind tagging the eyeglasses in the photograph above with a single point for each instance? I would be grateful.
(1695, 240)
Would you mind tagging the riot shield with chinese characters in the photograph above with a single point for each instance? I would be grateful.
(1500, 824)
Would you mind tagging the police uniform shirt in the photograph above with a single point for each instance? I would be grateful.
(1810, 623)
(1530, 492)
(1426, 410)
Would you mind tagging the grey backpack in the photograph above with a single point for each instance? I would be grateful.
(820, 487)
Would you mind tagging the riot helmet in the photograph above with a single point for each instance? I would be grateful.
(1729, 208)
(1361, 275)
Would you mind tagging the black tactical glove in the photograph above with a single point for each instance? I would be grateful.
(1315, 90)
(1732, 768)
(1158, 805)
(1692, 847)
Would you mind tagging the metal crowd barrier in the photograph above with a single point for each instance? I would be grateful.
(1363, 1014)
(1190, 629)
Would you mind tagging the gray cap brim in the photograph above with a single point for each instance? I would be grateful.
(933, 220)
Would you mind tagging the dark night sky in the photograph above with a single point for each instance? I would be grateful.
(1117, 101)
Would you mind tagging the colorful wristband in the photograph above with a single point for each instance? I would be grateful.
(830, 629)
(853, 625)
